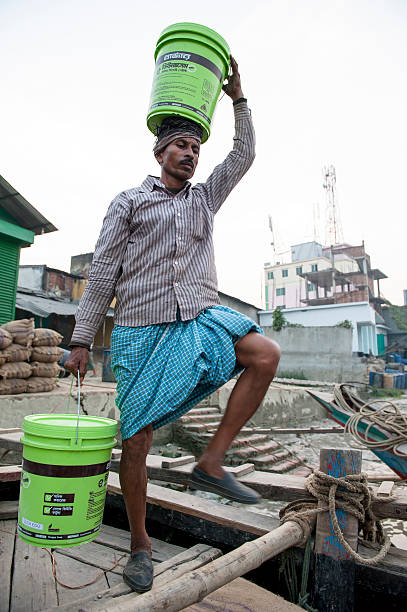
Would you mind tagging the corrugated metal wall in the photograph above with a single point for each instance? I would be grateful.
(9, 260)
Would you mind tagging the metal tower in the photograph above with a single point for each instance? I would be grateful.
(333, 228)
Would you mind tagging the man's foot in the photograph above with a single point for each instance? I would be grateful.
(138, 573)
(227, 486)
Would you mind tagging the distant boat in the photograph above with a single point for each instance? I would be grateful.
(347, 409)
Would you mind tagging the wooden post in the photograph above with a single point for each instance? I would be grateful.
(334, 569)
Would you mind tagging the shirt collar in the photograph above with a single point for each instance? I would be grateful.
(152, 182)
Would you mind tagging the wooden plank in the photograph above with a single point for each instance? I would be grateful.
(8, 510)
(96, 555)
(173, 568)
(74, 573)
(241, 470)
(386, 489)
(33, 587)
(334, 579)
(119, 539)
(10, 430)
(10, 473)
(236, 518)
(270, 486)
(382, 476)
(194, 586)
(300, 430)
(174, 462)
(7, 538)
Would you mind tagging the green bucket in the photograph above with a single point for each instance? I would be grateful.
(64, 478)
(192, 62)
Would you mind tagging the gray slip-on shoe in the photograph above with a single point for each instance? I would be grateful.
(227, 487)
(138, 573)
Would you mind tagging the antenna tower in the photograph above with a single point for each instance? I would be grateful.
(333, 228)
(272, 243)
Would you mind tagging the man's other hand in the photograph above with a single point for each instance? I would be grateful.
(78, 360)
(233, 87)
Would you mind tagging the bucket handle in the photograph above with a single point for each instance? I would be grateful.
(79, 408)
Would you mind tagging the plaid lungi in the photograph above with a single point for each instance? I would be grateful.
(164, 370)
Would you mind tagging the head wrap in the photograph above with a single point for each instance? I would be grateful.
(174, 127)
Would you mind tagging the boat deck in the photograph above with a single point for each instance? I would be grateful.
(79, 577)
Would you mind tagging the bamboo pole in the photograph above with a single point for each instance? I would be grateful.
(196, 585)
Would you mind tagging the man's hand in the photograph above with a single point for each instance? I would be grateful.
(78, 360)
(233, 87)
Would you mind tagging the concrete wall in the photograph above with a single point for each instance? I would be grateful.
(282, 405)
(320, 353)
(359, 313)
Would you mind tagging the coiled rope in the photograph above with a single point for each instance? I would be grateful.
(387, 416)
(349, 493)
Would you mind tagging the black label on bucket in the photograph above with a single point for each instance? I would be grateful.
(176, 58)
(59, 498)
(49, 536)
(64, 471)
(58, 510)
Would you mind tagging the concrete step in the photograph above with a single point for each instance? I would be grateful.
(243, 441)
(270, 459)
(204, 410)
(200, 427)
(249, 451)
(195, 418)
(285, 466)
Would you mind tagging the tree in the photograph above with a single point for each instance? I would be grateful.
(279, 320)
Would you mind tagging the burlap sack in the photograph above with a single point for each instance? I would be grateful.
(18, 369)
(21, 330)
(46, 354)
(5, 338)
(11, 386)
(16, 352)
(47, 370)
(46, 337)
(35, 384)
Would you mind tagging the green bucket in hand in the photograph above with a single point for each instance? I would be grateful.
(64, 478)
(192, 62)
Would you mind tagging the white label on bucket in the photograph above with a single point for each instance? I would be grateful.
(32, 524)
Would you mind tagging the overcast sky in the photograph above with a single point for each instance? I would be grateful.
(326, 81)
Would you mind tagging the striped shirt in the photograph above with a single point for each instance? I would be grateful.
(155, 250)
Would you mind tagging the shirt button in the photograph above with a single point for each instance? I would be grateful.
(175, 263)
(178, 214)
(176, 284)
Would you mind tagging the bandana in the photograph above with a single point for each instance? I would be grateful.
(164, 142)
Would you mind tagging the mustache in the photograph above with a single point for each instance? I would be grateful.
(187, 162)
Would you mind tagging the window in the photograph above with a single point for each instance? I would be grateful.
(298, 270)
(280, 291)
(270, 275)
(284, 273)
(314, 267)
(311, 287)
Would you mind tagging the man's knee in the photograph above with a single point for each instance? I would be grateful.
(139, 444)
(267, 359)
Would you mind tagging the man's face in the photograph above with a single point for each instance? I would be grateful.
(180, 158)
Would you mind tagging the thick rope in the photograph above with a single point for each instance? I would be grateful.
(349, 493)
(387, 416)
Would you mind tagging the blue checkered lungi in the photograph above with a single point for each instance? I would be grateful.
(163, 370)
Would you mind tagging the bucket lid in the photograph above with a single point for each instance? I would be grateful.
(64, 426)
(221, 46)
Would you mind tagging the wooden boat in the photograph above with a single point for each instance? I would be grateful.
(184, 520)
(350, 406)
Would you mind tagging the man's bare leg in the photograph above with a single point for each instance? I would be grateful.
(259, 356)
(133, 481)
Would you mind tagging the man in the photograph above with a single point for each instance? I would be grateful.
(173, 343)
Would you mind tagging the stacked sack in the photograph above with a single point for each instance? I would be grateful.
(15, 350)
(20, 342)
(44, 356)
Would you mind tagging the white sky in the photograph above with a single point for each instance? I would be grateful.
(326, 81)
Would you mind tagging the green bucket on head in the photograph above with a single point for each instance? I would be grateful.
(192, 62)
(64, 478)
